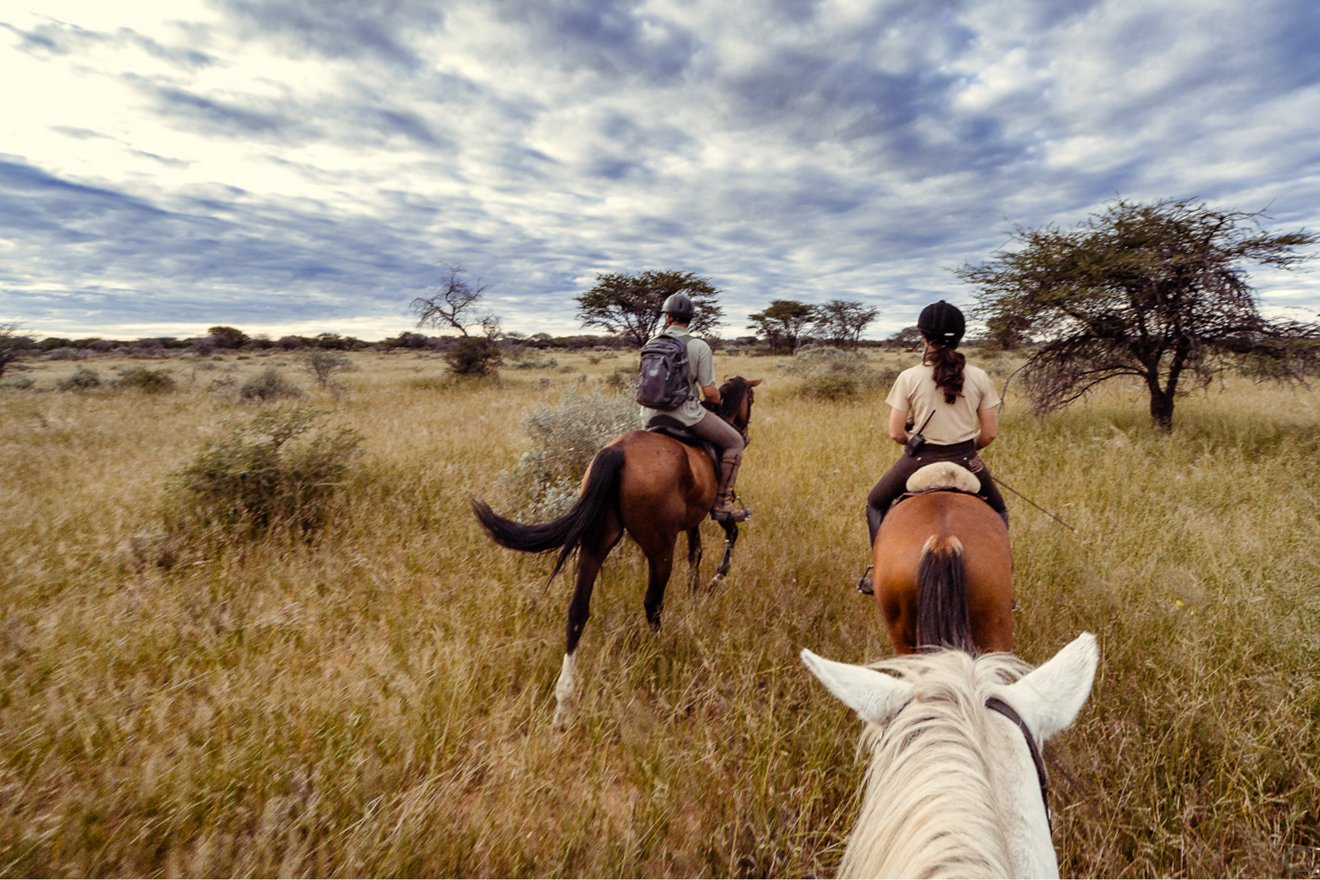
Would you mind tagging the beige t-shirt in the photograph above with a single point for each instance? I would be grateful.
(916, 393)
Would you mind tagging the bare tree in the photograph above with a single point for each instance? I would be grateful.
(453, 306)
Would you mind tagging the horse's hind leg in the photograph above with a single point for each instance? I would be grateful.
(591, 555)
(660, 567)
(694, 557)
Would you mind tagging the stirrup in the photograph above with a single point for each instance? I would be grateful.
(864, 585)
(731, 514)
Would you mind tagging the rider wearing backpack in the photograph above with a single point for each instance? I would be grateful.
(677, 311)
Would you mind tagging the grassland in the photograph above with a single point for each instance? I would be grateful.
(377, 700)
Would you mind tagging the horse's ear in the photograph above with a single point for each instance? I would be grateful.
(1049, 697)
(752, 383)
(874, 696)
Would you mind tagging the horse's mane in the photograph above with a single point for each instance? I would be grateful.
(732, 393)
(928, 810)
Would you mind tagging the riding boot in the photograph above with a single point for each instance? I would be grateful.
(724, 511)
(873, 518)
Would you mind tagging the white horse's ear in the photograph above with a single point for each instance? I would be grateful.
(1049, 697)
(874, 696)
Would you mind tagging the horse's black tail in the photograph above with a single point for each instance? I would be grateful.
(564, 533)
(942, 618)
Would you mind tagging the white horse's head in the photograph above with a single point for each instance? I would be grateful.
(953, 787)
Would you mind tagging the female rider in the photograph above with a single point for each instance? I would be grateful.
(954, 405)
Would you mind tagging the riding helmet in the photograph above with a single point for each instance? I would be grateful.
(680, 306)
(942, 324)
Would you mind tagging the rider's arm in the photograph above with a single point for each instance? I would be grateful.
(898, 426)
(989, 419)
(711, 393)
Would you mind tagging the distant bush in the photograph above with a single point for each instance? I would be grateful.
(269, 384)
(276, 473)
(530, 362)
(621, 379)
(83, 379)
(473, 356)
(564, 439)
(834, 374)
(322, 364)
(18, 383)
(147, 381)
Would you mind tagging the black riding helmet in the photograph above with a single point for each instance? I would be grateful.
(680, 306)
(942, 324)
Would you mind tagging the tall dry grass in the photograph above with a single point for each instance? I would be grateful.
(375, 699)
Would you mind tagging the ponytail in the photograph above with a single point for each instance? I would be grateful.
(948, 371)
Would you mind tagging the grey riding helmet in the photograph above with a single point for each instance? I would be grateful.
(679, 305)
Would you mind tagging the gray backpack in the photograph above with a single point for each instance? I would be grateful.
(663, 382)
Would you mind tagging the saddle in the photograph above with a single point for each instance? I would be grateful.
(941, 476)
(672, 427)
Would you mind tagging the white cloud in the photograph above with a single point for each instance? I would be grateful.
(291, 165)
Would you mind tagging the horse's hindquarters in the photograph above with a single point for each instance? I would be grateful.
(986, 567)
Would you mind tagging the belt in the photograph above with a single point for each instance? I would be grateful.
(951, 449)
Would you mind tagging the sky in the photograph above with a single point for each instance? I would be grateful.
(310, 166)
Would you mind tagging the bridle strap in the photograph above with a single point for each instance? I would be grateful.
(997, 705)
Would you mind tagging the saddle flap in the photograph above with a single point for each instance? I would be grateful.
(943, 475)
(672, 427)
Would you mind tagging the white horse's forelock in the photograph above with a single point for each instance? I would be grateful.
(928, 809)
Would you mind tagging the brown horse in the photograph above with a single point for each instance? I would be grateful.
(943, 573)
(648, 485)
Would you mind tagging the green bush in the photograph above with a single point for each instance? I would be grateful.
(269, 384)
(564, 439)
(146, 380)
(83, 379)
(276, 473)
(473, 356)
(834, 374)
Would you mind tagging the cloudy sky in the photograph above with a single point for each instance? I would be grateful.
(307, 166)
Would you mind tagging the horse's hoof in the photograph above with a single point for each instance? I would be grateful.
(864, 586)
(715, 582)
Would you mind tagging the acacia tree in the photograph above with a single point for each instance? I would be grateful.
(1157, 291)
(12, 345)
(453, 306)
(782, 323)
(629, 305)
(842, 322)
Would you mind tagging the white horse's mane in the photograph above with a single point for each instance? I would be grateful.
(928, 809)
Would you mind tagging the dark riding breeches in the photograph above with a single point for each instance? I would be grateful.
(894, 482)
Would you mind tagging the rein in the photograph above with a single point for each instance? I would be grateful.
(997, 705)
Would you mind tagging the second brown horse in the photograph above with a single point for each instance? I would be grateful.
(647, 485)
(943, 574)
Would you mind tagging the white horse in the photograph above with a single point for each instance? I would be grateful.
(955, 786)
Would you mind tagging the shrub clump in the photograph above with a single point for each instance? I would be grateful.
(834, 374)
(83, 379)
(269, 384)
(474, 356)
(279, 472)
(564, 439)
(147, 381)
